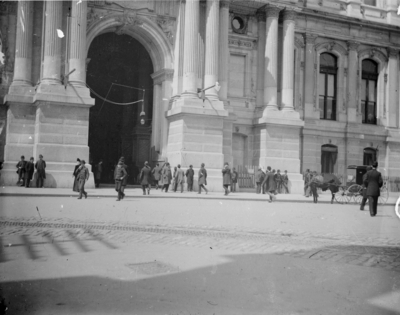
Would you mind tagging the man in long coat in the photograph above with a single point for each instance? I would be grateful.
(41, 171)
(145, 178)
(119, 176)
(259, 179)
(364, 191)
(269, 181)
(29, 170)
(189, 178)
(179, 178)
(202, 178)
(226, 178)
(21, 170)
(83, 176)
(156, 172)
(373, 182)
(166, 176)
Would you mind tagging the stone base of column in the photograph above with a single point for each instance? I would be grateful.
(196, 136)
(79, 95)
(21, 94)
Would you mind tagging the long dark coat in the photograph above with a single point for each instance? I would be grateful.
(373, 182)
(364, 187)
(22, 165)
(145, 176)
(179, 176)
(226, 177)
(202, 176)
(166, 175)
(269, 179)
(40, 168)
(29, 169)
(75, 187)
(189, 176)
(259, 176)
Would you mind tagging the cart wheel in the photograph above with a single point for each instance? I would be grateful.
(384, 196)
(355, 192)
(341, 196)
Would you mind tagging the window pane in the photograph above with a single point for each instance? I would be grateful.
(371, 113)
(331, 85)
(364, 89)
(327, 60)
(321, 84)
(372, 91)
(363, 111)
(321, 107)
(329, 109)
(369, 66)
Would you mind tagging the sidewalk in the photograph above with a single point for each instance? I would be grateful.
(14, 191)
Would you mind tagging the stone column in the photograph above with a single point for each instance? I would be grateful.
(393, 88)
(77, 49)
(190, 62)
(271, 58)
(23, 52)
(260, 57)
(289, 17)
(211, 56)
(157, 117)
(52, 49)
(309, 77)
(179, 47)
(352, 103)
(224, 53)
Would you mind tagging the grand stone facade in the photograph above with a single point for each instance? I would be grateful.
(304, 84)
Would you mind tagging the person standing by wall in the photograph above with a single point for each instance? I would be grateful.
(202, 178)
(75, 187)
(21, 171)
(285, 182)
(83, 176)
(373, 182)
(145, 178)
(259, 179)
(179, 178)
(226, 178)
(189, 178)
(234, 181)
(41, 171)
(167, 176)
(30, 169)
(156, 172)
(270, 184)
(278, 181)
(364, 191)
(119, 175)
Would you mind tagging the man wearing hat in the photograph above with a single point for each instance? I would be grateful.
(145, 178)
(189, 178)
(373, 182)
(364, 191)
(82, 177)
(41, 171)
(119, 175)
(179, 178)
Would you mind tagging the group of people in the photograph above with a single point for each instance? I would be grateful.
(26, 170)
(271, 182)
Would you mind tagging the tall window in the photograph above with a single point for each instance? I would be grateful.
(368, 91)
(327, 86)
(329, 155)
(369, 156)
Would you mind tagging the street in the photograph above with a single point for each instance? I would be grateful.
(60, 255)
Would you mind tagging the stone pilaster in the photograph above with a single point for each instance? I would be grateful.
(260, 57)
(223, 49)
(156, 121)
(211, 56)
(289, 17)
(271, 59)
(23, 52)
(309, 76)
(393, 89)
(179, 48)
(52, 43)
(352, 89)
(190, 62)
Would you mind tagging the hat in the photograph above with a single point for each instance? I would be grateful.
(146, 163)
(83, 161)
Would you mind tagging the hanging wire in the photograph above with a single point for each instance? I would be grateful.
(115, 103)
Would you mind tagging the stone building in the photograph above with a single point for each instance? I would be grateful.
(303, 84)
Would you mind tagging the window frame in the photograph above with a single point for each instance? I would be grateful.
(369, 77)
(326, 71)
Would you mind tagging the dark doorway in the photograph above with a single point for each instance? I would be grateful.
(116, 130)
(369, 156)
(329, 155)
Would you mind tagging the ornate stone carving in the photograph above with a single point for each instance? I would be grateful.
(261, 16)
(243, 28)
(392, 52)
(168, 27)
(272, 11)
(289, 14)
(92, 17)
(224, 4)
(352, 45)
(310, 38)
(127, 20)
(330, 46)
(8, 55)
(241, 43)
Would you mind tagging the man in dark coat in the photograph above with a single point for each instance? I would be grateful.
(21, 171)
(75, 187)
(179, 178)
(83, 176)
(145, 178)
(166, 176)
(29, 170)
(259, 179)
(364, 190)
(41, 171)
(285, 181)
(156, 172)
(270, 184)
(226, 178)
(234, 176)
(189, 178)
(119, 176)
(373, 182)
(202, 178)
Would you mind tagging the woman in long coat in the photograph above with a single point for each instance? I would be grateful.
(75, 187)
(166, 176)
(145, 178)
(226, 177)
(202, 178)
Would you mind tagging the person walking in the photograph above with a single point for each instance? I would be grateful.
(75, 186)
(145, 178)
(364, 190)
(189, 178)
(373, 182)
(264, 183)
(21, 171)
(156, 172)
(285, 182)
(83, 176)
(234, 176)
(119, 175)
(307, 178)
(270, 184)
(278, 181)
(125, 179)
(259, 179)
(313, 184)
(226, 178)
(179, 178)
(40, 171)
(98, 171)
(29, 170)
(202, 180)
(167, 176)
(174, 183)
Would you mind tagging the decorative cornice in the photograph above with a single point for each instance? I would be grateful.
(162, 75)
(261, 16)
(392, 52)
(224, 4)
(272, 11)
(289, 15)
(299, 42)
(242, 43)
(310, 39)
(352, 45)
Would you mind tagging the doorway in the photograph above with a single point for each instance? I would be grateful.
(117, 130)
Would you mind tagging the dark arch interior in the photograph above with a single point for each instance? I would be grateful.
(116, 130)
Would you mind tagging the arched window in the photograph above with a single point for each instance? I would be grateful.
(368, 91)
(329, 155)
(369, 156)
(327, 86)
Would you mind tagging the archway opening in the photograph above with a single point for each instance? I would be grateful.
(117, 130)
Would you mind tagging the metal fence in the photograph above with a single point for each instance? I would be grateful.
(247, 176)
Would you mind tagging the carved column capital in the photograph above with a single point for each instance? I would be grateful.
(289, 14)
(310, 39)
(224, 4)
(261, 16)
(392, 52)
(352, 45)
(272, 11)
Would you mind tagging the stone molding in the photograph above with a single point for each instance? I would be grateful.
(310, 39)
(167, 25)
(374, 54)
(289, 15)
(239, 42)
(261, 16)
(162, 75)
(352, 45)
(331, 46)
(272, 11)
(392, 52)
(224, 4)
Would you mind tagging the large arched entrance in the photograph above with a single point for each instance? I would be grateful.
(116, 130)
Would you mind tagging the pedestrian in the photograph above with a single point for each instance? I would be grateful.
(278, 181)
(364, 189)
(263, 183)
(145, 178)
(119, 175)
(179, 178)
(174, 184)
(98, 171)
(259, 179)
(161, 177)
(21, 171)
(306, 178)
(270, 184)
(285, 182)
(29, 170)
(156, 172)
(226, 178)
(83, 176)
(373, 182)
(125, 179)
(202, 180)
(313, 184)
(40, 171)
(189, 178)
(167, 176)
(234, 176)
(75, 187)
